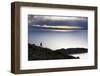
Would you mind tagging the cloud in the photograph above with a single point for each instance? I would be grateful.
(60, 27)
(39, 17)
(58, 22)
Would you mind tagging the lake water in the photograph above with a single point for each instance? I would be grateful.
(57, 40)
(82, 56)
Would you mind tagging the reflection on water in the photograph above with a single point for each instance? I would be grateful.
(57, 40)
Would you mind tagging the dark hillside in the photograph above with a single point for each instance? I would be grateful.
(41, 53)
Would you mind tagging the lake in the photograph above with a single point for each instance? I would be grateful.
(82, 56)
(57, 40)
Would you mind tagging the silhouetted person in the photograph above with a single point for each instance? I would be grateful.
(41, 44)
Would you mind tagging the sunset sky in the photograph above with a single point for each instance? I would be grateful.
(57, 22)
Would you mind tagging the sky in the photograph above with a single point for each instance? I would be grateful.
(57, 22)
(57, 32)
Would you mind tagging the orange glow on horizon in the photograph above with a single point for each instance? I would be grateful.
(61, 27)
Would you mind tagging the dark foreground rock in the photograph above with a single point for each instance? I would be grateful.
(41, 53)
